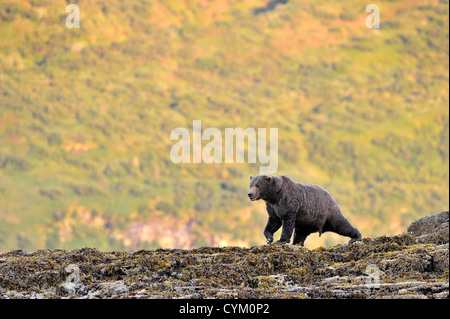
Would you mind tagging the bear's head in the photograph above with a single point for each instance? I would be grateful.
(263, 187)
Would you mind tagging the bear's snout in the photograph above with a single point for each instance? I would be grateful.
(250, 195)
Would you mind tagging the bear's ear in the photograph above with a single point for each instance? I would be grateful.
(268, 178)
(251, 177)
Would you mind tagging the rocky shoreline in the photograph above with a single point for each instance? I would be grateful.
(411, 265)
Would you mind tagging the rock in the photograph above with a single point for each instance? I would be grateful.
(431, 229)
(335, 278)
(409, 296)
(441, 295)
(70, 288)
(191, 296)
(440, 259)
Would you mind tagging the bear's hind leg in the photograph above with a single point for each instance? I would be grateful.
(350, 231)
(343, 228)
(300, 236)
(356, 236)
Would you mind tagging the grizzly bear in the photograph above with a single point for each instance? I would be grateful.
(303, 207)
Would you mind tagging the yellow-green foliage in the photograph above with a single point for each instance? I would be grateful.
(86, 115)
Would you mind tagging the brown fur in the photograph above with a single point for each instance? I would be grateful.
(303, 207)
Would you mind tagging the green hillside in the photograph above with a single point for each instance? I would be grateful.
(86, 116)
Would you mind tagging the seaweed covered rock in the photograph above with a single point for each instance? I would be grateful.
(402, 266)
(431, 229)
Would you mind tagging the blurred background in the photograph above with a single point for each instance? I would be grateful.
(86, 116)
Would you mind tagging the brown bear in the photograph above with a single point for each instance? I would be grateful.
(303, 207)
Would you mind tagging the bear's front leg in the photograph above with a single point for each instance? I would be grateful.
(273, 224)
(288, 223)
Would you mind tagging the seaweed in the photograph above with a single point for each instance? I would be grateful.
(404, 267)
